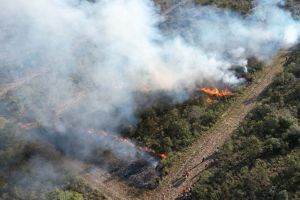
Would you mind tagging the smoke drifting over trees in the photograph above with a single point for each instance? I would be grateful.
(107, 52)
(116, 48)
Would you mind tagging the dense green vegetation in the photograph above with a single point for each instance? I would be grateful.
(65, 195)
(262, 160)
(170, 128)
(75, 190)
(82, 188)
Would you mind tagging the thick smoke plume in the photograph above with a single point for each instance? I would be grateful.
(102, 53)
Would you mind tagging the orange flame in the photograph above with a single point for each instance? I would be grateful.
(163, 156)
(147, 149)
(216, 92)
(125, 141)
(210, 100)
(28, 126)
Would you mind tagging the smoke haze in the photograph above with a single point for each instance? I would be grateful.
(102, 53)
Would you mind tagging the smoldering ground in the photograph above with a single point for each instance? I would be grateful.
(110, 49)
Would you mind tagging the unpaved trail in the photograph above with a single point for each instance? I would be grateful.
(176, 182)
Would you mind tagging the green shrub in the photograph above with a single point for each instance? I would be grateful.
(64, 195)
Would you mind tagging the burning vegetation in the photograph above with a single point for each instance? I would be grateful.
(209, 100)
(128, 142)
(216, 92)
(95, 55)
(28, 126)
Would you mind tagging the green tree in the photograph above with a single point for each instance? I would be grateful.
(64, 195)
(282, 195)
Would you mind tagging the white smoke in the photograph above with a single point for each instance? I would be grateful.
(112, 48)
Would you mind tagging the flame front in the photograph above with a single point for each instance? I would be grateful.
(163, 156)
(126, 141)
(28, 126)
(33, 125)
(216, 92)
